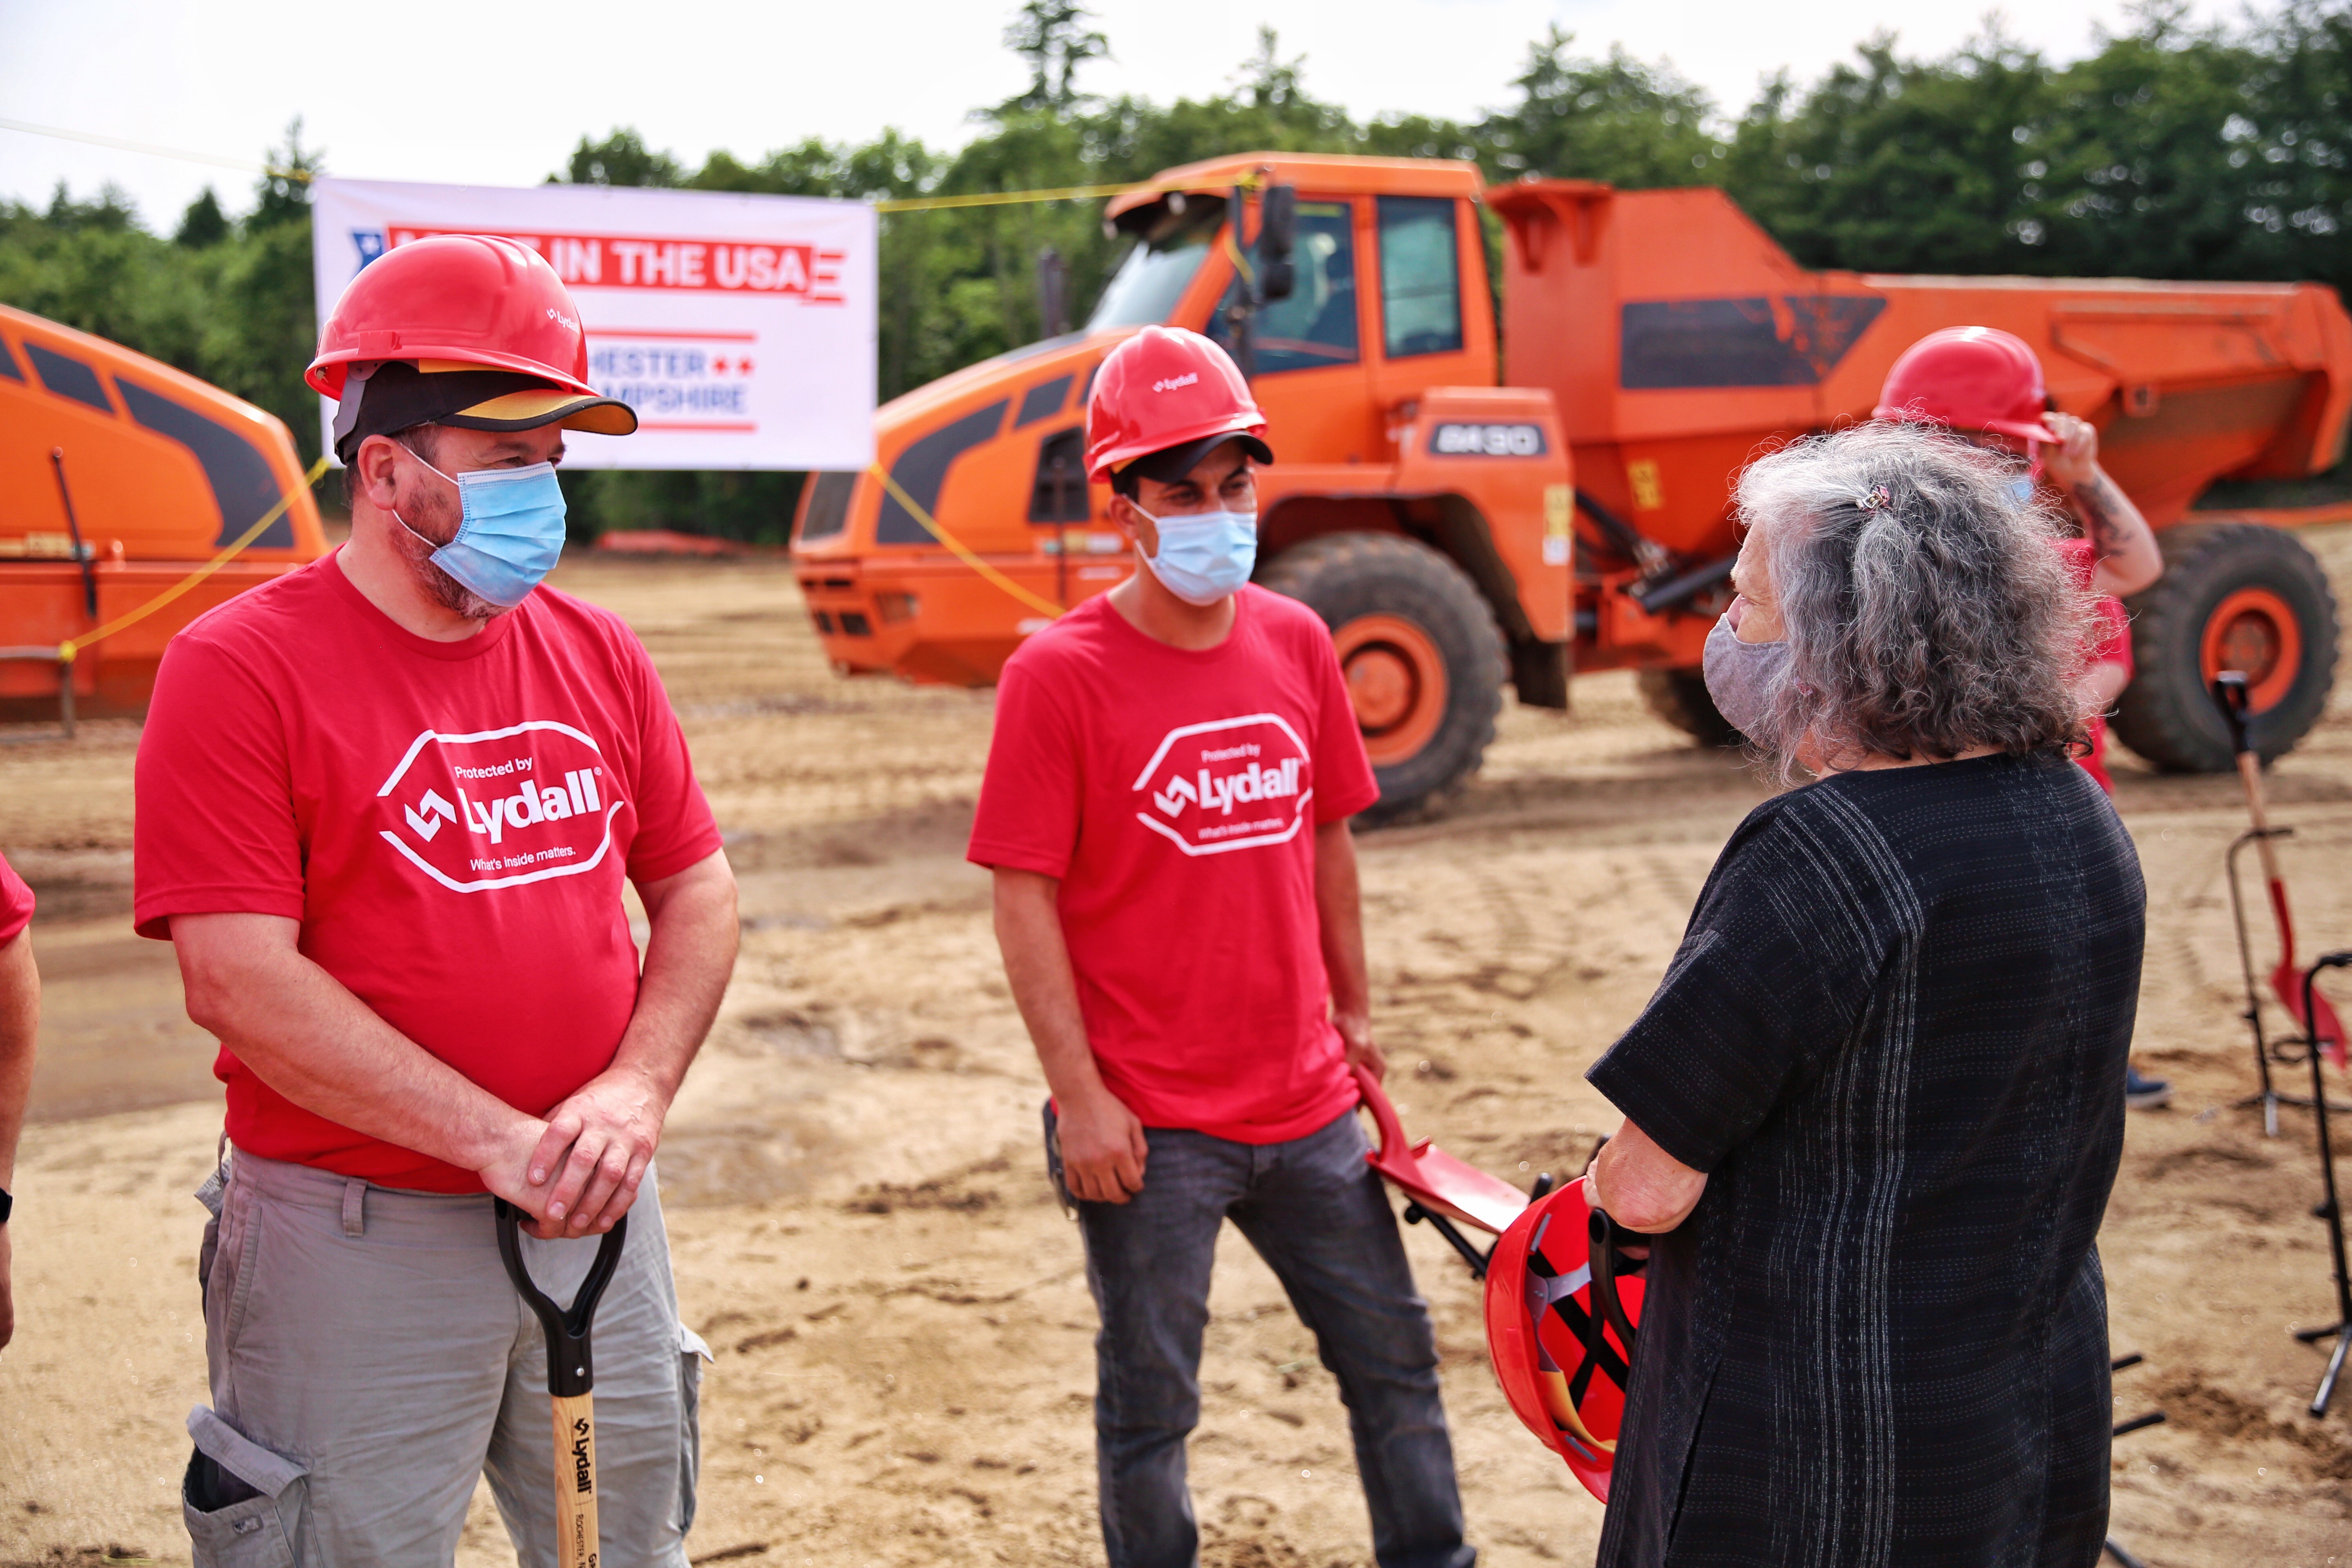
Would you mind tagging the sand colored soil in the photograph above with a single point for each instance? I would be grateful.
(862, 1226)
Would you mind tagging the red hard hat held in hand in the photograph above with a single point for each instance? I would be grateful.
(1562, 1351)
(1164, 387)
(1970, 379)
(461, 299)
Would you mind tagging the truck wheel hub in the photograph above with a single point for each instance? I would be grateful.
(2254, 631)
(1382, 684)
(1396, 682)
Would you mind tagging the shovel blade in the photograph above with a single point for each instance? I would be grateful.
(1439, 1181)
(2324, 1025)
(1433, 1178)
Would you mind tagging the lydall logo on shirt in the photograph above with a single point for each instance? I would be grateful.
(1230, 784)
(531, 799)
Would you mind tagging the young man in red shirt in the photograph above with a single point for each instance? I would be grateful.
(1166, 811)
(387, 805)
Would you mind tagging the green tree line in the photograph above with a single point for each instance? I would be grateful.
(2173, 150)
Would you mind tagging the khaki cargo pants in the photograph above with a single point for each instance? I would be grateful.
(370, 1360)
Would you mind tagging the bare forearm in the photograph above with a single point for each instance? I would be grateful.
(2125, 545)
(1046, 988)
(689, 957)
(308, 1038)
(20, 1018)
(1104, 1148)
(1339, 913)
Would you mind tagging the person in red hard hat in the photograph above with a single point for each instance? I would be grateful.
(1165, 810)
(387, 807)
(1986, 384)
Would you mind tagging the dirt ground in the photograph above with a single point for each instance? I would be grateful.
(863, 1230)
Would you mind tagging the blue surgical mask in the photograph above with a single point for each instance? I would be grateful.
(1743, 678)
(510, 531)
(1206, 555)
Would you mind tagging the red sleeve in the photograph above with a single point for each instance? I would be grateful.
(214, 829)
(1344, 784)
(1029, 797)
(16, 903)
(675, 827)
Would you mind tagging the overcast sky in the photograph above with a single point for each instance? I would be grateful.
(497, 93)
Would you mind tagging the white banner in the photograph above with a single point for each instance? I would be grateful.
(741, 329)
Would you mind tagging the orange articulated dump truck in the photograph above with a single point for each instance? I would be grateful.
(1464, 505)
(121, 476)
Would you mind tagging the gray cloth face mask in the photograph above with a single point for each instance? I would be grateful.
(1743, 676)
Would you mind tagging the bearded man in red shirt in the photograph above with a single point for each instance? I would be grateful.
(387, 806)
(1166, 813)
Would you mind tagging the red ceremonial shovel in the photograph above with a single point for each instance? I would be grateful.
(1441, 1187)
(2321, 1026)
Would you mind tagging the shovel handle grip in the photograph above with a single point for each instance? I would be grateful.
(1384, 1116)
(570, 1371)
(2231, 696)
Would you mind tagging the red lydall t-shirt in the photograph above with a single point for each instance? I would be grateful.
(451, 822)
(16, 903)
(1176, 795)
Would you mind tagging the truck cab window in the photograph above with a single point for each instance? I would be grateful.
(1316, 326)
(828, 506)
(1421, 291)
(1058, 494)
(1154, 274)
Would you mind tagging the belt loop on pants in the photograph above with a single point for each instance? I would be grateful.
(354, 1218)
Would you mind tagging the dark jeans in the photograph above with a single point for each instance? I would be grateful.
(1315, 1213)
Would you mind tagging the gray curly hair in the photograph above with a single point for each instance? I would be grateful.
(1927, 608)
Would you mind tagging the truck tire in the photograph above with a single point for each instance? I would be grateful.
(2234, 596)
(1680, 698)
(1421, 650)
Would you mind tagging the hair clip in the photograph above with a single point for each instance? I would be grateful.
(1878, 498)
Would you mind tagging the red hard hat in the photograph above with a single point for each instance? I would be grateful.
(1969, 378)
(459, 299)
(1564, 1373)
(1162, 388)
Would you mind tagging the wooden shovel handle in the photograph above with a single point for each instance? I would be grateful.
(575, 1482)
(2250, 773)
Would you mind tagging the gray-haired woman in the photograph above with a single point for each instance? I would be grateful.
(1874, 1109)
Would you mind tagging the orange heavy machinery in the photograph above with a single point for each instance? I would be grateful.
(119, 477)
(1458, 519)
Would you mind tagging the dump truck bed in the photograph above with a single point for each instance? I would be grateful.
(1678, 336)
(163, 471)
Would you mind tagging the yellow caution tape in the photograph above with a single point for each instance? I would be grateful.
(70, 648)
(957, 548)
(1004, 198)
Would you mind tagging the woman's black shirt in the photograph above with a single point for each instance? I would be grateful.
(1895, 1035)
